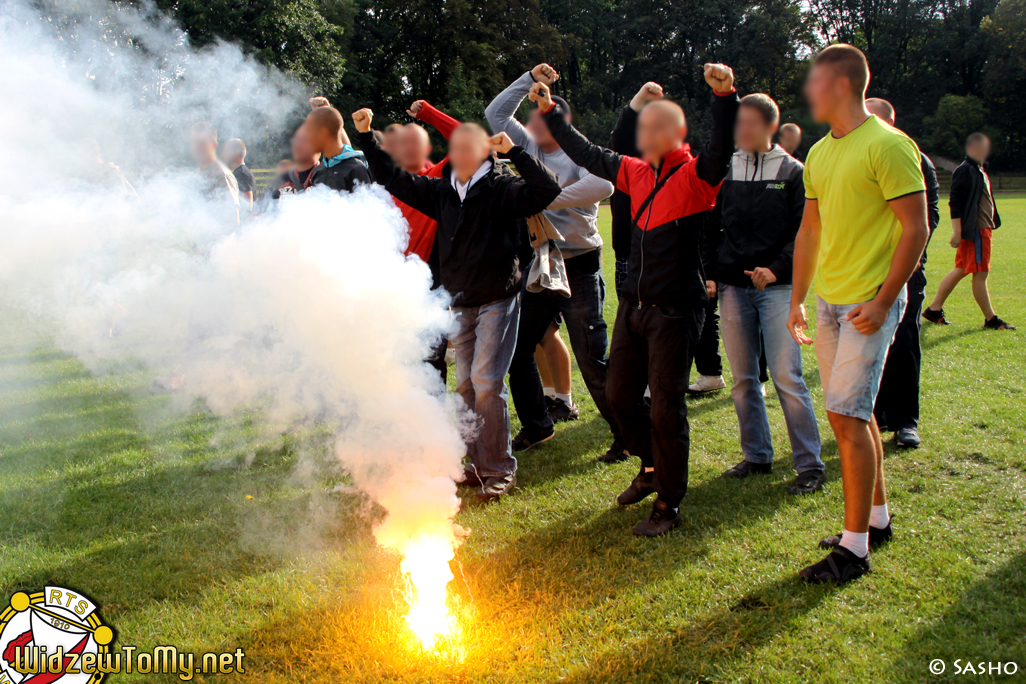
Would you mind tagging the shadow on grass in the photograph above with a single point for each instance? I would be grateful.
(986, 623)
(930, 341)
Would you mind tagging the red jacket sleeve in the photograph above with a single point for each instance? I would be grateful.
(443, 122)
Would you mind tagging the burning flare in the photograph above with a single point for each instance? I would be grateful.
(426, 568)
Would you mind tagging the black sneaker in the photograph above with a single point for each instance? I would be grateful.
(877, 536)
(661, 520)
(840, 566)
(561, 412)
(523, 442)
(808, 482)
(549, 401)
(935, 316)
(908, 438)
(639, 489)
(494, 487)
(470, 477)
(997, 324)
(746, 468)
(617, 452)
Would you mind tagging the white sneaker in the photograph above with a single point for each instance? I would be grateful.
(707, 383)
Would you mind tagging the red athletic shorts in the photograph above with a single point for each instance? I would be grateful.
(973, 256)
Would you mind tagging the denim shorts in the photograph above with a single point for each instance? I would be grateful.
(850, 363)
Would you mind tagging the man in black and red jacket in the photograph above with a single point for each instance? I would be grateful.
(660, 315)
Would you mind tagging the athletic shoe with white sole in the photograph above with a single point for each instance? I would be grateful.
(707, 383)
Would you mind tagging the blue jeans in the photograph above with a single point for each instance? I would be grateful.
(748, 319)
(484, 338)
(850, 363)
(582, 313)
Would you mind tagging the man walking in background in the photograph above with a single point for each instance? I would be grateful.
(862, 234)
(477, 204)
(234, 156)
(660, 315)
(974, 216)
(755, 222)
(575, 215)
(897, 404)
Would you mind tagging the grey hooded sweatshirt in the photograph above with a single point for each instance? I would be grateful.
(575, 212)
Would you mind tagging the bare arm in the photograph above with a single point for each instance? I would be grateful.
(911, 212)
(806, 256)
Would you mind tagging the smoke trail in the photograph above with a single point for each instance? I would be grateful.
(309, 312)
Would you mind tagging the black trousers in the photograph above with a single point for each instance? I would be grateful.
(586, 328)
(897, 403)
(652, 346)
(437, 358)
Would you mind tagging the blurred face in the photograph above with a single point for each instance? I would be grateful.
(751, 132)
(316, 135)
(661, 130)
(979, 151)
(302, 150)
(468, 149)
(392, 134)
(202, 147)
(825, 91)
(539, 130)
(790, 140)
(412, 148)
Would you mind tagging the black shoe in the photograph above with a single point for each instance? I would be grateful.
(907, 438)
(746, 468)
(470, 477)
(877, 536)
(808, 482)
(561, 412)
(661, 520)
(639, 489)
(494, 487)
(840, 566)
(997, 324)
(617, 453)
(522, 442)
(935, 316)
(549, 401)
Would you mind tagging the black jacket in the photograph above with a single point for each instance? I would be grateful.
(932, 200)
(478, 239)
(343, 176)
(623, 141)
(757, 217)
(665, 267)
(967, 187)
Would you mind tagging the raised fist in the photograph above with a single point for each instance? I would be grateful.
(720, 77)
(362, 119)
(415, 108)
(501, 143)
(544, 73)
(541, 94)
(317, 102)
(650, 91)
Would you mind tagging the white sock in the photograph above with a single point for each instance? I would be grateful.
(565, 398)
(550, 392)
(856, 542)
(879, 517)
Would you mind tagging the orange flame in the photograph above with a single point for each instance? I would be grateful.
(425, 565)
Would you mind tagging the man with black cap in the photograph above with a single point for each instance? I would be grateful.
(575, 215)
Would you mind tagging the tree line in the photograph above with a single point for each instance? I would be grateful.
(949, 66)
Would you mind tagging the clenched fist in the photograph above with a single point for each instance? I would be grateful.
(415, 108)
(362, 119)
(541, 94)
(317, 102)
(544, 73)
(720, 77)
(501, 143)
(650, 91)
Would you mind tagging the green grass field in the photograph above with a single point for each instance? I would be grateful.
(103, 490)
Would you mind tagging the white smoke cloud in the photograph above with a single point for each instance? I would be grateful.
(308, 313)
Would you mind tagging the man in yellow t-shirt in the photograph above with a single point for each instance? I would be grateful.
(863, 232)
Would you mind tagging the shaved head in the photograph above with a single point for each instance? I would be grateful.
(471, 129)
(662, 129)
(416, 131)
(328, 118)
(469, 147)
(667, 111)
(412, 147)
(881, 108)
